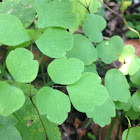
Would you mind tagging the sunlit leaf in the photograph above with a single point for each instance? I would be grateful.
(131, 62)
(87, 92)
(21, 65)
(65, 71)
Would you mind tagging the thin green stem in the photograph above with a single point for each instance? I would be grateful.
(129, 126)
(88, 123)
(112, 125)
(31, 99)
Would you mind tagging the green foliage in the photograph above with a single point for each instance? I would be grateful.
(8, 99)
(7, 129)
(117, 86)
(89, 85)
(30, 126)
(23, 10)
(65, 71)
(102, 114)
(55, 42)
(16, 35)
(131, 62)
(54, 104)
(26, 72)
(99, 24)
(109, 50)
(50, 26)
(62, 15)
(83, 49)
(134, 133)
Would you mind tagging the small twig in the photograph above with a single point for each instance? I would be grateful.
(87, 8)
(110, 9)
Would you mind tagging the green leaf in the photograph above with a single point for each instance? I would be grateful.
(131, 62)
(135, 78)
(55, 13)
(30, 127)
(54, 104)
(93, 26)
(7, 129)
(134, 133)
(12, 31)
(11, 99)
(21, 65)
(117, 86)
(133, 115)
(102, 114)
(87, 92)
(81, 11)
(124, 106)
(23, 10)
(65, 71)
(83, 49)
(136, 101)
(55, 42)
(108, 51)
(26, 88)
(91, 68)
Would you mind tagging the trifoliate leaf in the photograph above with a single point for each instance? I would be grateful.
(23, 10)
(136, 101)
(7, 129)
(117, 86)
(102, 114)
(83, 49)
(11, 99)
(93, 26)
(54, 104)
(65, 71)
(133, 115)
(124, 106)
(108, 51)
(30, 127)
(55, 13)
(131, 62)
(90, 68)
(134, 133)
(55, 42)
(21, 65)
(87, 92)
(135, 78)
(12, 31)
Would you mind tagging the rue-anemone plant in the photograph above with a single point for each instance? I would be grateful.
(31, 113)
